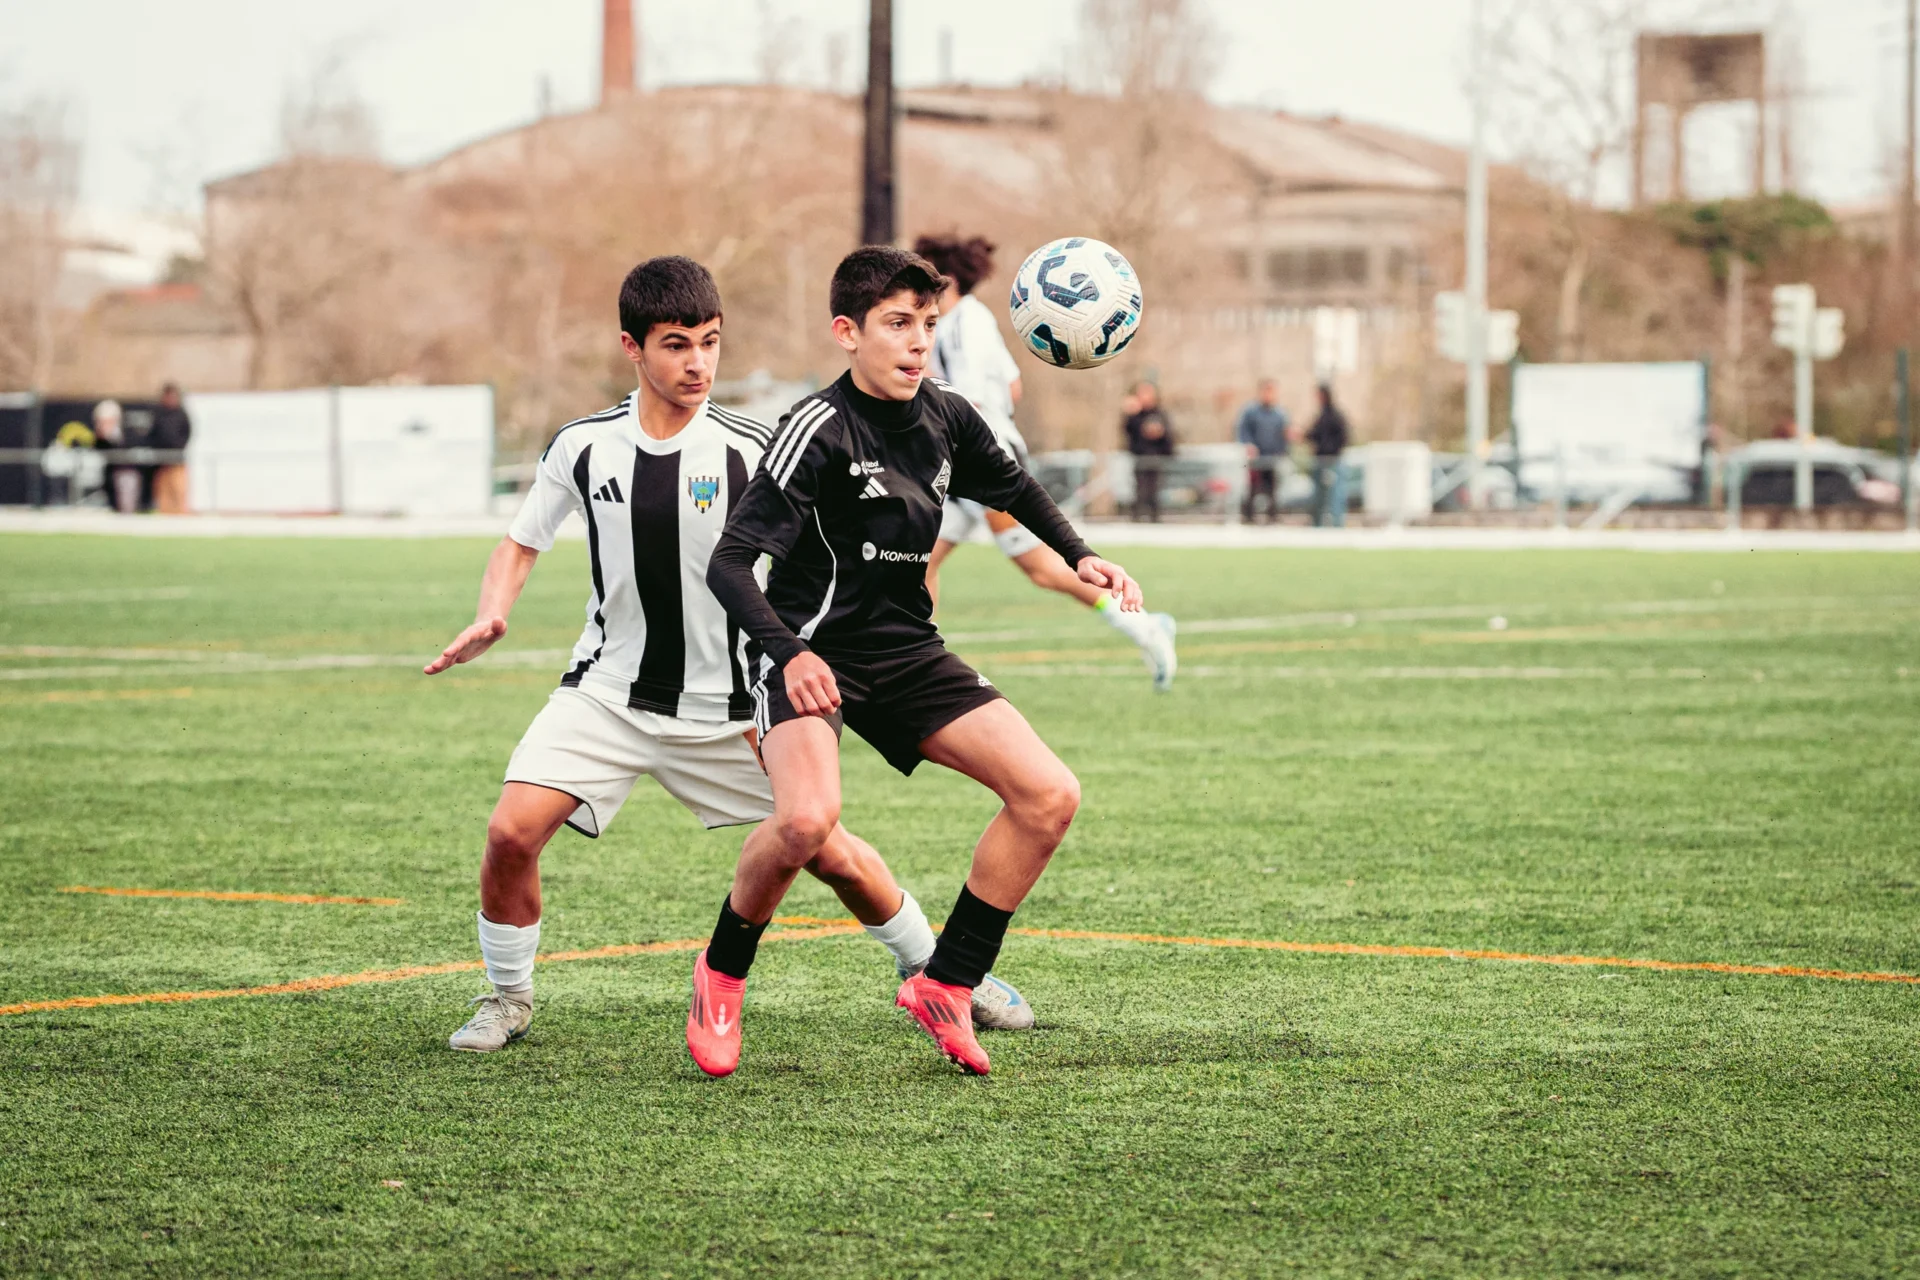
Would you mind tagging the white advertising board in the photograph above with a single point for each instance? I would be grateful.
(261, 451)
(1613, 427)
(416, 451)
(360, 450)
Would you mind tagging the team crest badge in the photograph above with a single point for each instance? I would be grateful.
(704, 490)
(941, 481)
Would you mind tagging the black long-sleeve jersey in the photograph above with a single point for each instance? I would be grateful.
(847, 501)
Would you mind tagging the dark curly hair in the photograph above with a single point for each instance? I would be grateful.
(968, 261)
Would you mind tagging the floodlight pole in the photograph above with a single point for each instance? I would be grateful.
(877, 215)
(1477, 389)
(1904, 227)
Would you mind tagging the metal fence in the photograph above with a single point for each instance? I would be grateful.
(1219, 483)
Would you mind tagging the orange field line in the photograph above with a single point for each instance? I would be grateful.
(333, 981)
(1461, 953)
(1448, 953)
(816, 927)
(312, 899)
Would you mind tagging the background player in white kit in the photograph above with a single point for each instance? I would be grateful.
(970, 355)
(658, 683)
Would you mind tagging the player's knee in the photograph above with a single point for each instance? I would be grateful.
(834, 867)
(510, 840)
(804, 829)
(1054, 802)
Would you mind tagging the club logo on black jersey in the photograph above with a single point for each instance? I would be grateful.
(703, 490)
(609, 492)
(887, 555)
(941, 481)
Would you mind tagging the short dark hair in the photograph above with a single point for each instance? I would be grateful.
(867, 277)
(968, 261)
(670, 290)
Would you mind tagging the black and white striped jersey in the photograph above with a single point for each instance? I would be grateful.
(655, 638)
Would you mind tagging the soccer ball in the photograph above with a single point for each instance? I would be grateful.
(1075, 303)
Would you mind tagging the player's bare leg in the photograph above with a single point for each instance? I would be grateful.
(524, 820)
(803, 762)
(995, 746)
(802, 759)
(858, 876)
(1153, 632)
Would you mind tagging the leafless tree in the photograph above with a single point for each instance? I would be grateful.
(1147, 50)
(304, 235)
(39, 179)
(1136, 165)
(1563, 104)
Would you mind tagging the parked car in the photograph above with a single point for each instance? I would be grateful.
(1842, 476)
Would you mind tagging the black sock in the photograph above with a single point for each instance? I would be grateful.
(970, 943)
(735, 939)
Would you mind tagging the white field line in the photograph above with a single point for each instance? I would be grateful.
(1442, 613)
(1133, 671)
(188, 662)
(96, 595)
(1100, 533)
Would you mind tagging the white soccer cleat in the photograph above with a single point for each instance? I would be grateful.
(498, 1022)
(1157, 647)
(998, 1007)
(997, 1004)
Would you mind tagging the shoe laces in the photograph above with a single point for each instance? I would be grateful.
(493, 1008)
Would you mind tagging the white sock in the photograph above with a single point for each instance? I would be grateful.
(1136, 627)
(509, 951)
(907, 935)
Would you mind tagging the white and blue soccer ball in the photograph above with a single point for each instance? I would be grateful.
(1075, 303)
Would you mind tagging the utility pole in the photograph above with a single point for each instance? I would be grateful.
(877, 213)
(1904, 224)
(1477, 391)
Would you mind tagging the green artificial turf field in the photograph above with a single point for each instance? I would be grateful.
(1692, 758)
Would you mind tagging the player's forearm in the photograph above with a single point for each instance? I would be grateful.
(730, 578)
(504, 580)
(1034, 507)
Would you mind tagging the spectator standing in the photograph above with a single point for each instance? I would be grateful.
(171, 430)
(1329, 436)
(1263, 430)
(1150, 441)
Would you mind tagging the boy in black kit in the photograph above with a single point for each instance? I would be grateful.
(847, 501)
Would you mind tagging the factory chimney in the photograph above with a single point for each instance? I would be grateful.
(616, 50)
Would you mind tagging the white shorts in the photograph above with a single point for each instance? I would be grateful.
(595, 752)
(965, 520)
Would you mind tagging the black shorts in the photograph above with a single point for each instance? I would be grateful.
(894, 701)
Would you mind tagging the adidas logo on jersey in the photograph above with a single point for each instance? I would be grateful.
(609, 492)
(874, 488)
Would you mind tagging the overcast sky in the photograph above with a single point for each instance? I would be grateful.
(169, 94)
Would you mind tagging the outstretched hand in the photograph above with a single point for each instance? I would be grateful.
(468, 645)
(1104, 573)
